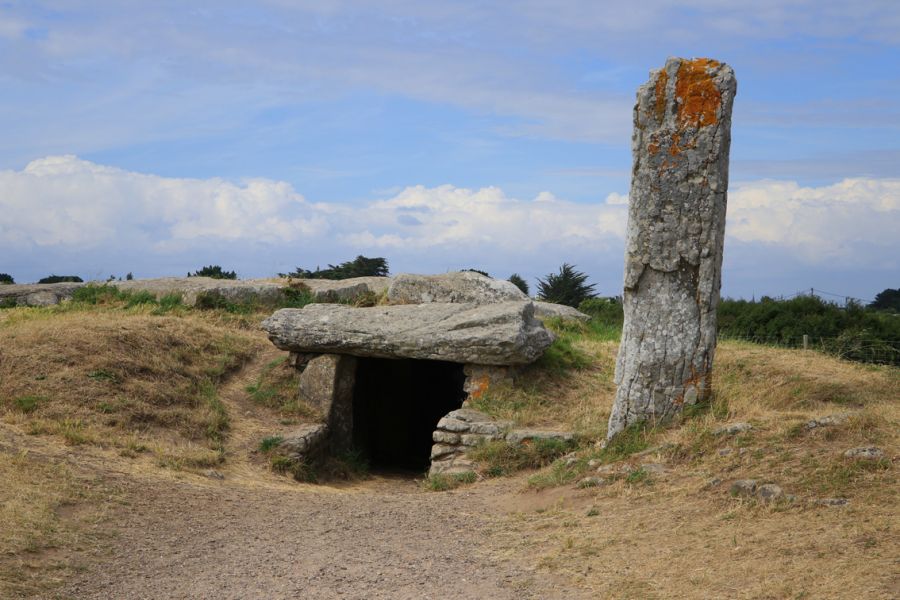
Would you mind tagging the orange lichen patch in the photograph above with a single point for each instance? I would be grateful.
(661, 82)
(652, 148)
(479, 387)
(674, 150)
(699, 99)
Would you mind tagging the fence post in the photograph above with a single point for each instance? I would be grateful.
(805, 341)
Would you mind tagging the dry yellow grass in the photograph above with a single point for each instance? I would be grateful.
(38, 524)
(676, 535)
(112, 378)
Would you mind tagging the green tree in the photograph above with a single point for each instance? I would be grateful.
(567, 287)
(518, 281)
(61, 279)
(6, 279)
(361, 266)
(888, 299)
(214, 271)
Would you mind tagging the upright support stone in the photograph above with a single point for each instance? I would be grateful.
(327, 385)
(673, 252)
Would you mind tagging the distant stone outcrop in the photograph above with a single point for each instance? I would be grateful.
(551, 310)
(676, 228)
(192, 288)
(37, 294)
(458, 287)
(505, 333)
(263, 291)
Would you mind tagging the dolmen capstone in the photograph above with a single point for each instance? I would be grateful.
(506, 333)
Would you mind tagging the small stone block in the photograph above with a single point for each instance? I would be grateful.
(743, 487)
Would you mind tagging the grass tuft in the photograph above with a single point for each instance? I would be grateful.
(499, 458)
(441, 482)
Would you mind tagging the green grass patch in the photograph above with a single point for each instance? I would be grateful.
(558, 474)
(140, 298)
(102, 375)
(441, 482)
(295, 297)
(168, 303)
(217, 421)
(276, 388)
(269, 443)
(28, 404)
(638, 476)
(93, 294)
(632, 439)
(298, 469)
(499, 458)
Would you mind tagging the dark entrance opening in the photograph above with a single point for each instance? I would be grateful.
(396, 407)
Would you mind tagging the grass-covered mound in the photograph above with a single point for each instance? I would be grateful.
(128, 380)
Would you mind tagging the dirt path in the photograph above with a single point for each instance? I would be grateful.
(384, 539)
(255, 534)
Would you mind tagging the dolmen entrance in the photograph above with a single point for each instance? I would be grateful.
(393, 381)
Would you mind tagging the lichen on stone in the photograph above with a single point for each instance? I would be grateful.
(698, 97)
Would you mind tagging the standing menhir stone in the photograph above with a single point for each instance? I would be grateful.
(673, 252)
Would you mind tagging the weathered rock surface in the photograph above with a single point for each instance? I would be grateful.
(549, 310)
(190, 288)
(37, 294)
(519, 436)
(743, 487)
(865, 453)
(326, 384)
(831, 501)
(492, 334)
(769, 492)
(344, 290)
(481, 378)
(458, 287)
(305, 442)
(676, 228)
(733, 429)
(828, 420)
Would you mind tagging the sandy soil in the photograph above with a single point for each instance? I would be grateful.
(383, 539)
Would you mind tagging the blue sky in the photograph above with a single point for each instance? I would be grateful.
(159, 137)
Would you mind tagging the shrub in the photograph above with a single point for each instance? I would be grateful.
(888, 299)
(518, 281)
(480, 272)
(850, 331)
(607, 311)
(5, 278)
(567, 287)
(215, 272)
(361, 266)
(61, 279)
(93, 293)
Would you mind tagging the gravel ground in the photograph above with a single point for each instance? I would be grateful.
(383, 539)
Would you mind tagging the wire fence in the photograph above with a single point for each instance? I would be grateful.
(848, 347)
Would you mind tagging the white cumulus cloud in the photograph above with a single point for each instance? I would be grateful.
(66, 206)
(854, 221)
